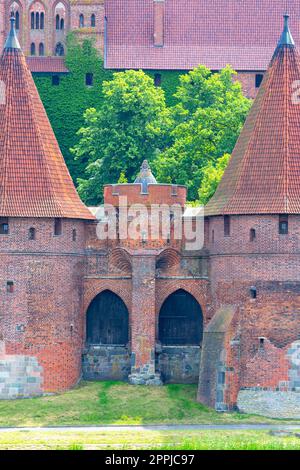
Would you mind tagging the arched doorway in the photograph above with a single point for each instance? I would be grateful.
(106, 356)
(107, 320)
(180, 332)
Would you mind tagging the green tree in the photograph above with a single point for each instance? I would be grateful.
(208, 118)
(212, 175)
(133, 123)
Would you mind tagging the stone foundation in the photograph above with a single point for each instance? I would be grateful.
(179, 364)
(106, 363)
(20, 377)
(273, 404)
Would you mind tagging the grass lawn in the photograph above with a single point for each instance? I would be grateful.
(134, 440)
(97, 403)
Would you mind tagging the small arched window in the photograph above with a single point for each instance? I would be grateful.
(57, 227)
(74, 235)
(41, 49)
(32, 20)
(4, 226)
(283, 225)
(59, 49)
(89, 79)
(253, 292)
(37, 21)
(57, 22)
(93, 20)
(32, 49)
(81, 21)
(17, 18)
(62, 24)
(252, 234)
(31, 233)
(42, 20)
(157, 79)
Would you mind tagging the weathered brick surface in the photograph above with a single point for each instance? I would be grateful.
(42, 317)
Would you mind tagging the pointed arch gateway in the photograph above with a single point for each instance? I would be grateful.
(180, 320)
(107, 320)
(180, 333)
(106, 355)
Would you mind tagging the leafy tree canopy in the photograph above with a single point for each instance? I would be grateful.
(212, 174)
(207, 119)
(133, 123)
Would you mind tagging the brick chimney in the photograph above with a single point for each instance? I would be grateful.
(159, 22)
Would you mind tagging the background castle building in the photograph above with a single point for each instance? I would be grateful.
(42, 27)
(166, 36)
(147, 310)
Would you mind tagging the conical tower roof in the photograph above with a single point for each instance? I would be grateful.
(34, 179)
(263, 175)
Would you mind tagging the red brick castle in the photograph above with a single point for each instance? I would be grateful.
(148, 310)
(42, 27)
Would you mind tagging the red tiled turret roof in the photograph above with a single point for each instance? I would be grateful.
(263, 175)
(34, 179)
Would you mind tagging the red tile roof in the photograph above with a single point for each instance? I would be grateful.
(34, 180)
(46, 64)
(241, 33)
(263, 175)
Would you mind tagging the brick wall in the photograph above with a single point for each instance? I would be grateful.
(270, 263)
(40, 315)
(50, 36)
(248, 82)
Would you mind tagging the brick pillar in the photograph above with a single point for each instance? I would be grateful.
(159, 22)
(143, 322)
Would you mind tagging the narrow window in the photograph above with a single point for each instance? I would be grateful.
(55, 80)
(17, 18)
(37, 21)
(93, 21)
(57, 22)
(213, 236)
(41, 49)
(157, 79)
(31, 233)
(57, 227)
(10, 287)
(261, 343)
(74, 235)
(42, 20)
(252, 234)
(258, 79)
(4, 226)
(253, 292)
(59, 49)
(81, 21)
(32, 20)
(32, 49)
(62, 24)
(89, 79)
(283, 225)
(226, 225)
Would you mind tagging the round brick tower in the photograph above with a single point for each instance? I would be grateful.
(42, 242)
(254, 245)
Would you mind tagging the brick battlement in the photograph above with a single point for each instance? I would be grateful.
(157, 194)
